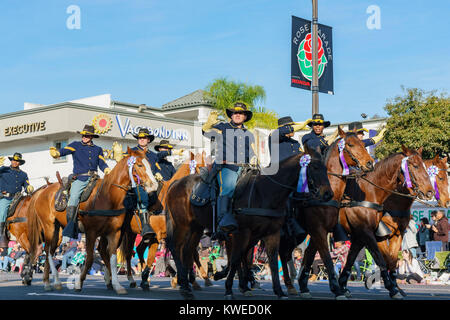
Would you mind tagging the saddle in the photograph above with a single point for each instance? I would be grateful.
(62, 195)
(15, 201)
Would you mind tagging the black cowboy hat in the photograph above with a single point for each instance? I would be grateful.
(356, 127)
(17, 157)
(163, 144)
(88, 130)
(285, 121)
(318, 119)
(143, 132)
(239, 107)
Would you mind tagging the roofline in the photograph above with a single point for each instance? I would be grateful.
(65, 105)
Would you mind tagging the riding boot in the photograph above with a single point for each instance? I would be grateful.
(339, 233)
(3, 238)
(383, 230)
(147, 230)
(71, 229)
(227, 222)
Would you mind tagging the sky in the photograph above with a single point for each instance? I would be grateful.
(152, 52)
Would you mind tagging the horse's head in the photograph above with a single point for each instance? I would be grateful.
(316, 172)
(414, 174)
(354, 151)
(141, 171)
(437, 170)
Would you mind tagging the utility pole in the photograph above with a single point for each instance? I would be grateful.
(314, 43)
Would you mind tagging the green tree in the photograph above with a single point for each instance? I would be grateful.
(417, 119)
(225, 92)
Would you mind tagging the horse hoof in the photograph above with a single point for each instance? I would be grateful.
(403, 293)
(208, 283)
(248, 294)
(341, 297)
(187, 294)
(109, 287)
(48, 287)
(347, 293)
(145, 286)
(256, 285)
(77, 290)
(196, 286)
(305, 295)
(121, 290)
(283, 297)
(229, 297)
(133, 284)
(57, 286)
(397, 296)
(292, 291)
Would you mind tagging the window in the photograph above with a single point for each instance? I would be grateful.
(58, 145)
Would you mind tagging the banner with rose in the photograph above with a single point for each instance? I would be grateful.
(301, 56)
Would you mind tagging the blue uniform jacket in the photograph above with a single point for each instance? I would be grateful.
(368, 142)
(236, 150)
(12, 181)
(312, 141)
(85, 158)
(164, 166)
(287, 146)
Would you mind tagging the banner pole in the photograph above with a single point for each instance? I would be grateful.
(314, 43)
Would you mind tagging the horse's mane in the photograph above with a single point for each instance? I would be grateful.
(330, 148)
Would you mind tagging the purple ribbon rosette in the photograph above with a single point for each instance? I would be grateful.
(192, 165)
(341, 146)
(433, 171)
(302, 185)
(405, 170)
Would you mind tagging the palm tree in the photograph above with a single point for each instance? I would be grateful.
(225, 92)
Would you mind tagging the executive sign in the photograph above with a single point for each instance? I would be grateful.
(25, 128)
(301, 56)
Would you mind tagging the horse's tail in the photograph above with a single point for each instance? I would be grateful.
(170, 223)
(35, 229)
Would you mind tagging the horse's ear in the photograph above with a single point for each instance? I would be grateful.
(405, 150)
(307, 149)
(129, 150)
(420, 150)
(436, 158)
(192, 155)
(444, 160)
(341, 132)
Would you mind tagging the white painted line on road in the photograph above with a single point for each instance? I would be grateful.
(85, 296)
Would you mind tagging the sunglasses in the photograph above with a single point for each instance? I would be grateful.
(238, 112)
(86, 136)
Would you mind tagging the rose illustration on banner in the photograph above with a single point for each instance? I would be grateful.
(305, 57)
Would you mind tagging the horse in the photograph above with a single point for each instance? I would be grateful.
(101, 215)
(185, 223)
(364, 212)
(158, 223)
(318, 218)
(398, 209)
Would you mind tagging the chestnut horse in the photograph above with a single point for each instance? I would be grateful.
(185, 223)
(102, 215)
(375, 188)
(318, 219)
(399, 208)
(158, 223)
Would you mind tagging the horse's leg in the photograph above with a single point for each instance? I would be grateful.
(27, 271)
(53, 246)
(272, 243)
(285, 252)
(145, 275)
(128, 245)
(355, 248)
(90, 244)
(307, 262)
(235, 260)
(46, 277)
(102, 249)
(244, 275)
(320, 239)
(390, 255)
(377, 256)
(113, 240)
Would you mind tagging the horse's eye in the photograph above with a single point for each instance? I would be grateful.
(350, 145)
(441, 179)
(415, 166)
(140, 165)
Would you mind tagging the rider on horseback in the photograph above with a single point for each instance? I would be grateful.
(358, 128)
(12, 179)
(234, 148)
(287, 146)
(165, 167)
(86, 158)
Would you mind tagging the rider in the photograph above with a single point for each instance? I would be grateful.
(287, 146)
(165, 167)
(86, 158)
(235, 147)
(12, 179)
(358, 128)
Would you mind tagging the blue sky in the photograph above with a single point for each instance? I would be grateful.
(152, 52)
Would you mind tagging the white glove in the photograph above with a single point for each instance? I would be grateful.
(158, 176)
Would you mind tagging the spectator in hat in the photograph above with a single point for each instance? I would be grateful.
(12, 180)
(86, 158)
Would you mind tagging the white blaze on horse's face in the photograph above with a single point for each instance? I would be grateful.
(151, 185)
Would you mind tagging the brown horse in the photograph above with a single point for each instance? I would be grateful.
(185, 223)
(158, 223)
(399, 215)
(101, 215)
(362, 219)
(318, 218)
